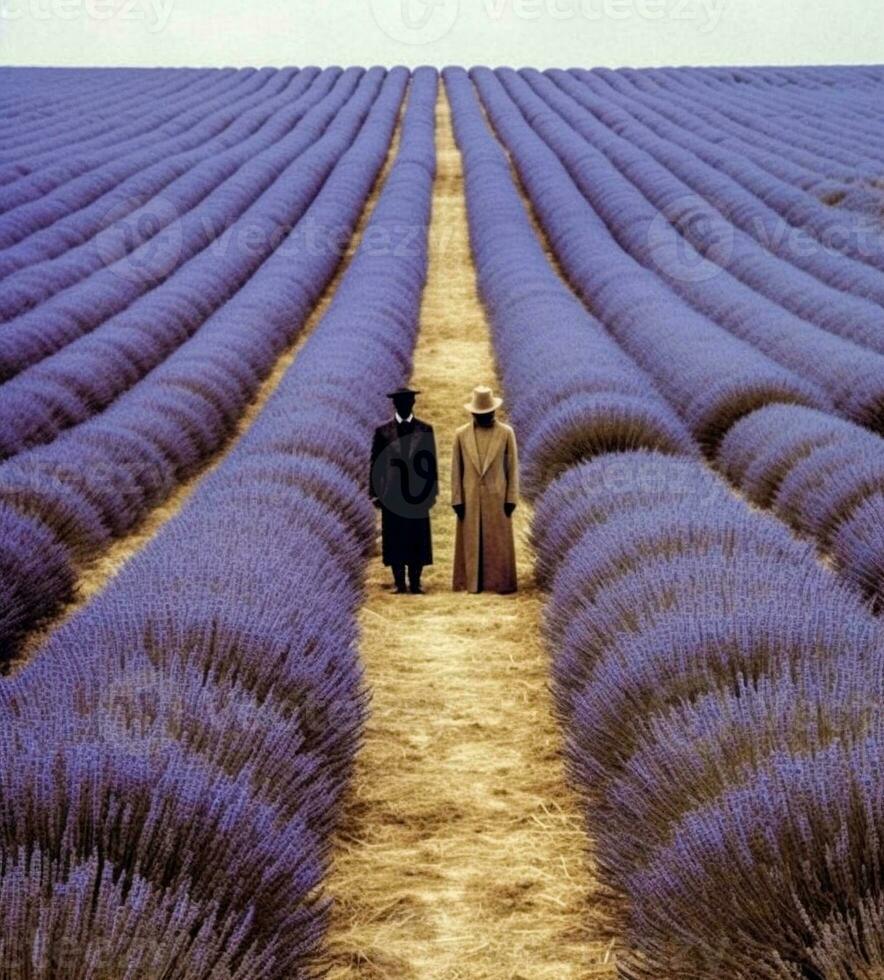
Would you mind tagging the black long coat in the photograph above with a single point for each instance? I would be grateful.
(404, 480)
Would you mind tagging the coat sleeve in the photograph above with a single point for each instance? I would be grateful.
(457, 473)
(512, 469)
(377, 447)
(434, 466)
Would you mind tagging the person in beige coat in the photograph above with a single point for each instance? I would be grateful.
(484, 493)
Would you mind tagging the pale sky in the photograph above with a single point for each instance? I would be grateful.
(541, 33)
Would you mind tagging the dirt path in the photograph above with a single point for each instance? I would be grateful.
(461, 853)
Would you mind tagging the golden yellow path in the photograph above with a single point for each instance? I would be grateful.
(461, 853)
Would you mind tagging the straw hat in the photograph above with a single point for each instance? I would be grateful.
(483, 401)
(402, 391)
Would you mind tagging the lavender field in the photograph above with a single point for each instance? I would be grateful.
(219, 755)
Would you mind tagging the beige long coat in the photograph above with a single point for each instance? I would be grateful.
(486, 532)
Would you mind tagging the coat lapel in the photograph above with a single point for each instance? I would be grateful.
(397, 440)
(472, 450)
(414, 440)
(497, 440)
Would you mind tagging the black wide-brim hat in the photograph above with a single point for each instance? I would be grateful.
(402, 391)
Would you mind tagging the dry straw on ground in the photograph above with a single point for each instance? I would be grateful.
(462, 850)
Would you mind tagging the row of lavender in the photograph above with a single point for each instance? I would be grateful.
(789, 217)
(58, 125)
(720, 690)
(729, 293)
(171, 763)
(77, 192)
(145, 397)
(717, 348)
(826, 478)
(83, 261)
(101, 358)
(652, 177)
(815, 130)
(578, 393)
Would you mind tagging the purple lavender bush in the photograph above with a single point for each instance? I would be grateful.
(108, 212)
(705, 669)
(134, 116)
(799, 201)
(719, 688)
(168, 285)
(706, 260)
(718, 268)
(99, 478)
(710, 377)
(207, 120)
(573, 392)
(210, 698)
(822, 475)
(739, 189)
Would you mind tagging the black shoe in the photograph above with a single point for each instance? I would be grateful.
(400, 589)
(416, 589)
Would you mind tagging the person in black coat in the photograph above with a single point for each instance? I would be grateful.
(403, 485)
